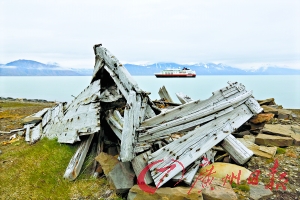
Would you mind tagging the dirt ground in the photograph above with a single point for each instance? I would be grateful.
(12, 114)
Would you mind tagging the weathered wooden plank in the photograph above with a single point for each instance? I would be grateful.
(123, 89)
(28, 131)
(115, 123)
(195, 106)
(131, 122)
(163, 93)
(77, 160)
(254, 106)
(199, 114)
(139, 163)
(52, 117)
(238, 151)
(113, 63)
(183, 98)
(165, 130)
(99, 64)
(36, 133)
(84, 96)
(81, 117)
(191, 146)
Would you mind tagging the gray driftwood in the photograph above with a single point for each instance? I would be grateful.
(77, 160)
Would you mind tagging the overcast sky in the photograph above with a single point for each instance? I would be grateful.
(244, 34)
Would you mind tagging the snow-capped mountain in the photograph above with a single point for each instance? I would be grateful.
(34, 68)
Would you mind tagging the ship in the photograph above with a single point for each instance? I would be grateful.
(175, 73)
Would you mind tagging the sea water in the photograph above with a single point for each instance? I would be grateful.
(285, 89)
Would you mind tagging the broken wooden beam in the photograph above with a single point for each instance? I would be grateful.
(163, 93)
(194, 144)
(77, 160)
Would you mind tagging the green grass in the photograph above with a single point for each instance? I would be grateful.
(17, 104)
(280, 150)
(36, 172)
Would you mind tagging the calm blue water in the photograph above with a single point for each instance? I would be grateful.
(285, 89)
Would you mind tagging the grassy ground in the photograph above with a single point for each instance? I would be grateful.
(36, 171)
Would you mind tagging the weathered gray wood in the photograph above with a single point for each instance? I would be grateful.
(115, 122)
(191, 146)
(28, 131)
(123, 89)
(77, 160)
(219, 97)
(36, 133)
(197, 115)
(81, 116)
(100, 141)
(141, 147)
(111, 94)
(183, 98)
(139, 163)
(50, 119)
(99, 64)
(163, 93)
(121, 72)
(131, 122)
(166, 129)
(206, 159)
(84, 96)
(238, 152)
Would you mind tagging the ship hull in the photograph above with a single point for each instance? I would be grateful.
(175, 75)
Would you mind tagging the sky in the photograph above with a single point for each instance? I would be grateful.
(244, 34)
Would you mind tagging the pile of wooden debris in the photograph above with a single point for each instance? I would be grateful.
(114, 116)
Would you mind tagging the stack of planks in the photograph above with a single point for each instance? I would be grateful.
(114, 115)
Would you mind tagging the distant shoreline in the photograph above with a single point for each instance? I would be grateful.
(26, 100)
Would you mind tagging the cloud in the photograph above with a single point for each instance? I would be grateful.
(191, 31)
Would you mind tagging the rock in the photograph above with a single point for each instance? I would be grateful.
(269, 101)
(272, 140)
(31, 120)
(284, 114)
(107, 162)
(269, 109)
(121, 177)
(224, 169)
(278, 129)
(262, 151)
(259, 191)
(216, 191)
(296, 135)
(165, 193)
(262, 117)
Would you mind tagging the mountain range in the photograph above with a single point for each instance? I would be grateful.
(34, 68)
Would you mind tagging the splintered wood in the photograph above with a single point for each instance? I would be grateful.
(129, 124)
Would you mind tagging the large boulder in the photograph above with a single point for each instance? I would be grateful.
(165, 193)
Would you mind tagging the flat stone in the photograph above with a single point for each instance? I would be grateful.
(31, 120)
(121, 177)
(272, 140)
(217, 190)
(262, 151)
(107, 162)
(296, 135)
(224, 169)
(278, 129)
(269, 109)
(259, 191)
(165, 193)
(269, 101)
(262, 117)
